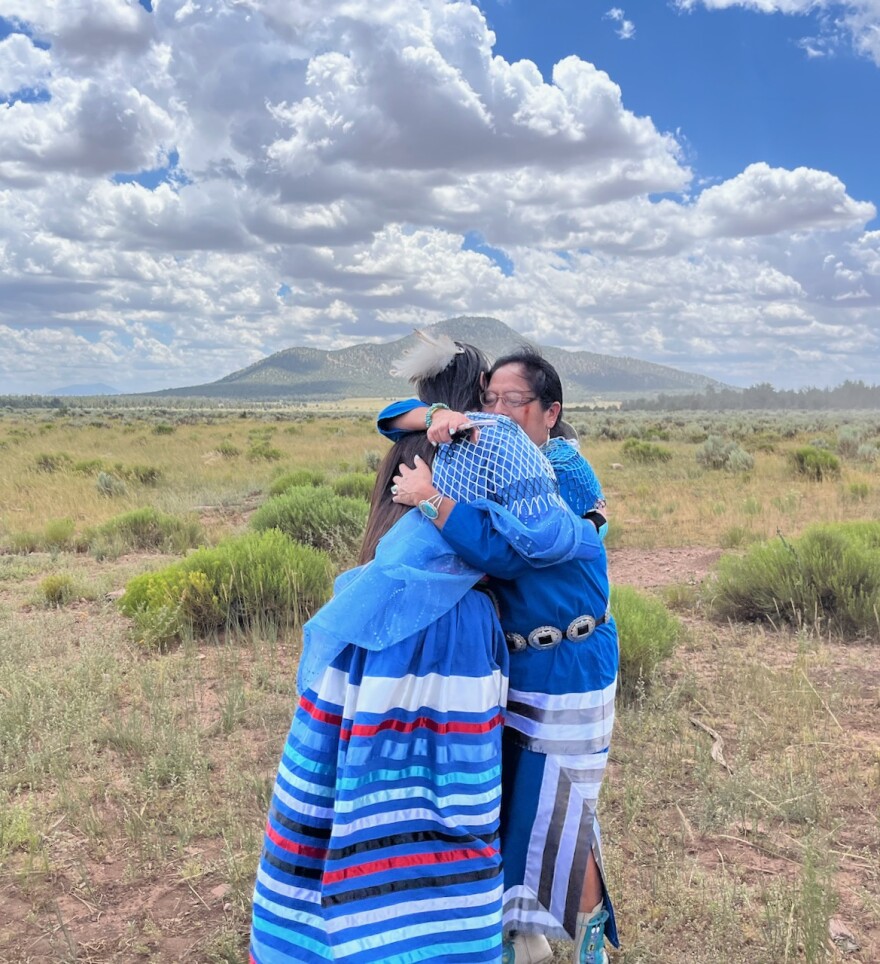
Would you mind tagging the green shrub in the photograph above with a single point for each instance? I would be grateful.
(645, 452)
(58, 534)
(22, 543)
(145, 530)
(52, 462)
(88, 466)
(315, 517)
(739, 460)
(356, 485)
(868, 452)
(858, 491)
(815, 464)
(145, 474)
(720, 454)
(110, 485)
(372, 460)
(261, 576)
(848, 440)
(294, 480)
(829, 578)
(19, 830)
(228, 450)
(647, 632)
(737, 536)
(263, 451)
(681, 596)
(58, 590)
(764, 441)
(788, 503)
(163, 428)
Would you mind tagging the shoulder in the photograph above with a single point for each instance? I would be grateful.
(562, 452)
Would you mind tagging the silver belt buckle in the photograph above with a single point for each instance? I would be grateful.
(580, 627)
(545, 637)
(516, 642)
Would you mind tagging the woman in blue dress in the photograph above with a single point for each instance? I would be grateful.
(561, 703)
(381, 842)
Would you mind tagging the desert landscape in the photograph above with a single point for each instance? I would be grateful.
(140, 737)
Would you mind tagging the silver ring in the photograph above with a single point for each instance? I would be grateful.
(394, 490)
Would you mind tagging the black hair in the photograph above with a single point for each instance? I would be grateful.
(383, 511)
(457, 386)
(542, 377)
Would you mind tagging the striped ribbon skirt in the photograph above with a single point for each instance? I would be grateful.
(381, 842)
(554, 757)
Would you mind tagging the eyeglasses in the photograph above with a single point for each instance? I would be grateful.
(510, 399)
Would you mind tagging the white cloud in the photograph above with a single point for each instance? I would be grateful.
(85, 29)
(343, 149)
(23, 66)
(627, 28)
(87, 128)
(765, 200)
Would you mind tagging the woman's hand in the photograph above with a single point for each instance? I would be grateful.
(413, 485)
(445, 423)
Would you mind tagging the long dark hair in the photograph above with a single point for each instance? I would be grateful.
(457, 386)
(542, 377)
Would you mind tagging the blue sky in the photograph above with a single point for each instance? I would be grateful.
(188, 187)
(735, 85)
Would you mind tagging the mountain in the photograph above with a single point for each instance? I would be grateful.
(362, 371)
(97, 388)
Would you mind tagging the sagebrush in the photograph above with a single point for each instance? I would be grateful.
(647, 632)
(315, 517)
(245, 580)
(829, 578)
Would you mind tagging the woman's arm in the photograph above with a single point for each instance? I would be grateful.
(472, 533)
(412, 486)
(400, 418)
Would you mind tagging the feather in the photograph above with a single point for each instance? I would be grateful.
(428, 357)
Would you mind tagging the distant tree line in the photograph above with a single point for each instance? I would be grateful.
(849, 395)
(30, 401)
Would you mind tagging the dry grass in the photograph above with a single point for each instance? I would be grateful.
(193, 471)
(133, 787)
(679, 503)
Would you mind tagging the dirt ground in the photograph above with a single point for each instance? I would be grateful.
(182, 919)
(652, 568)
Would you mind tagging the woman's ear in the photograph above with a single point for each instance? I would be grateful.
(484, 381)
(552, 414)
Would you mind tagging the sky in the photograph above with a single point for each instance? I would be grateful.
(187, 186)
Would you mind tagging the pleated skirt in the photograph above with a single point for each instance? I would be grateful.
(381, 842)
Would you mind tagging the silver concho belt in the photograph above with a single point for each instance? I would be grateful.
(546, 637)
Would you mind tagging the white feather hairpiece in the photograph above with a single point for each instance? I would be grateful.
(428, 357)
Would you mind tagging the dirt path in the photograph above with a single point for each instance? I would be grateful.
(650, 568)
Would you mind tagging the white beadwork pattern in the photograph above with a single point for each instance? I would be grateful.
(505, 467)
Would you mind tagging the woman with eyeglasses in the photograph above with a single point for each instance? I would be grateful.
(524, 386)
(563, 677)
(382, 838)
